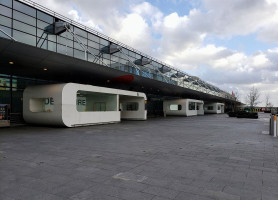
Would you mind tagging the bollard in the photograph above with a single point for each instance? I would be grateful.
(270, 122)
(274, 126)
(271, 127)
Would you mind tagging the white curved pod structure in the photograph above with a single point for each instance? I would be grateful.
(214, 108)
(74, 104)
(183, 107)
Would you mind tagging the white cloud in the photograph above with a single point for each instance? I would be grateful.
(134, 31)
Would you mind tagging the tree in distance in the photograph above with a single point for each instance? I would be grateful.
(268, 104)
(252, 98)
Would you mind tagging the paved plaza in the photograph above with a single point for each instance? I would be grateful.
(182, 158)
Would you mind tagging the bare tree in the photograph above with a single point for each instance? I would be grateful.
(252, 98)
(236, 95)
(268, 104)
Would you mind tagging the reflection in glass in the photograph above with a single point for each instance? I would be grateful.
(65, 41)
(6, 3)
(24, 8)
(41, 24)
(7, 30)
(24, 27)
(5, 21)
(5, 11)
(45, 17)
(24, 18)
(79, 54)
(80, 32)
(51, 46)
(25, 38)
(64, 50)
(93, 37)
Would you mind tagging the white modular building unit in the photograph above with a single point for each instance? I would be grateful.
(183, 107)
(72, 104)
(214, 108)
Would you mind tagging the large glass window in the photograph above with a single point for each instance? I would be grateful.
(65, 41)
(52, 46)
(192, 106)
(104, 42)
(24, 27)
(5, 21)
(132, 54)
(4, 83)
(210, 107)
(24, 18)
(106, 61)
(93, 37)
(78, 46)
(100, 106)
(92, 58)
(175, 107)
(25, 38)
(129, 106)
(24, 8)
(80, 32)
(11, 90)
(93, 44)
(79, 54)
(5, 94)
(64, 50)
(45, 17)
(52, 38)
(5, 11)
(41, 24)
(115, 58)
(93, 51)
(6, 3)
(95, 102)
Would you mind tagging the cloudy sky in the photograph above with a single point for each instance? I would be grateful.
(232, 44)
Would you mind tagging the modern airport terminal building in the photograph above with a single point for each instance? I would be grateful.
(55, 71)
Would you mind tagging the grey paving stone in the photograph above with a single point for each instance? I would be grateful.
(89, 195)
(189, 196)
(220, 195)
(127, 184)
(74, 187)
(162, 192)
(213, 157)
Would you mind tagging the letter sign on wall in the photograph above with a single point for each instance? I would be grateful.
(81, 104)
(48, 104)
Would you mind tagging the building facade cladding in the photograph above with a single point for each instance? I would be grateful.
(26, 23)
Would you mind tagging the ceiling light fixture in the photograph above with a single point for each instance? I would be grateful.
(11, 62)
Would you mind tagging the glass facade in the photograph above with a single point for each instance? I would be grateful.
(192, 106)
(11, 90)
(130, 106)
(26, 24)
(95, 102)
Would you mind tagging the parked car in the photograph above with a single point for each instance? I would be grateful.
(232, 114)
(244, 114)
